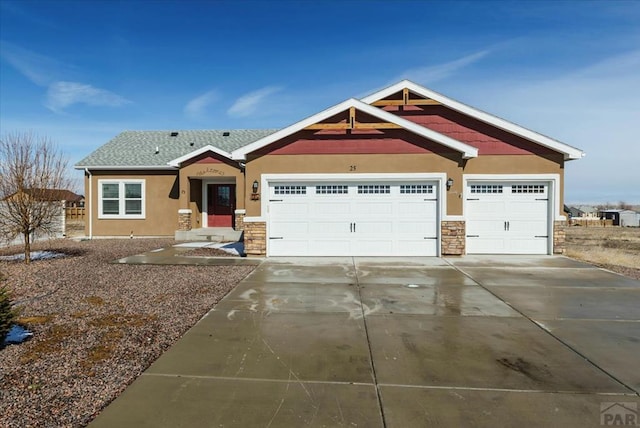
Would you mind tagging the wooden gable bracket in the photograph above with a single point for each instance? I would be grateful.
(406, 101)
(352, 123)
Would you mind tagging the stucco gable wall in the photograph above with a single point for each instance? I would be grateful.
(161, 205)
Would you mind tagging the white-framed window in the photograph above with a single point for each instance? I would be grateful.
(486, 188)
(374, 189)
(289, 190)
(527, 188)
(332, 189)
(416, 188)
(121, 198)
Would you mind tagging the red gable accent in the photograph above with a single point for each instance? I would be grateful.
(488, 139)
(359, 141)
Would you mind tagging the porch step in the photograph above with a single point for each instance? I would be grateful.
(213, 234)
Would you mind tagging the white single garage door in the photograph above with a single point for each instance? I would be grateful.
(507, 218)
(353, 219)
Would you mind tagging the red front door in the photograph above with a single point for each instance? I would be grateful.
(220, 205)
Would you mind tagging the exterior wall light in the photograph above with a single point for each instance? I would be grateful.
(449, 183)
(254, 191)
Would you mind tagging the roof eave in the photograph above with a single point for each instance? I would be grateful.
(208, 148)
(124, 168)
(466, 150)
(569, 152)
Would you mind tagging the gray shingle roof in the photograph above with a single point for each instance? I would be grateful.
(138, 148)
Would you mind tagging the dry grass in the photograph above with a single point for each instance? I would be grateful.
(615, 248)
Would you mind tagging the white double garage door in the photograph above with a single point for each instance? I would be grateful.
(399, 218)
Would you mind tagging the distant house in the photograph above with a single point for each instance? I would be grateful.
(622, 218)
(587, 211)
(70, 199)
(573, 212)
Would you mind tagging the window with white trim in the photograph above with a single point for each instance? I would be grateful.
(332, 189)
(416, 188)
(374, 189)
(289, 190)
(121, 199)
(527, 188)
(486, 188)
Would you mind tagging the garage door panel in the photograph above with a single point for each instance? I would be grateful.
(289, 209)
(329, 247)
(526, 246)
(375, 228)
(378, 219)
(328, 227)
(280, 247)
(330, 208)
(373, 247)
(417, 209)
(509, 218)
(419, 228)
(408, 247)
(279, 228)
(365, 209)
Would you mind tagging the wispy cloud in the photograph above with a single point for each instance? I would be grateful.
(64, 94)
(195, 109)
(248, 103)
(433, 73)
(39, 69)
(47, 72)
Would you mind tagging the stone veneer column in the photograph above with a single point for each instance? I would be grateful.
(453, 238)
(559, 236)
(239, 219)
(184, 219)
(255, 238)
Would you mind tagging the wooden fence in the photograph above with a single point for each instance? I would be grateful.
(74, 213)
(588, 221)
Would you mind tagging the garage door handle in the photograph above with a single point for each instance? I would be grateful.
(469, 199)
(430, 237)
(354, 227)
(541, 236)
(351, 227)
(275, 200)
(276, 237)
(473, 236)
(506, 226)
(542, 199)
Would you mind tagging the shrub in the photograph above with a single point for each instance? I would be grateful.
(7, 312)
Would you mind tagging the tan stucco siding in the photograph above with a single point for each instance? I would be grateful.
(161, 205)
(343, 164)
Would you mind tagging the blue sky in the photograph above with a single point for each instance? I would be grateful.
(80, 72)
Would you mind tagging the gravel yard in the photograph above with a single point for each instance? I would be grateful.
(96, 325)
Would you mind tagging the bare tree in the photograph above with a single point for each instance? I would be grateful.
(32, 170)
(624, 206)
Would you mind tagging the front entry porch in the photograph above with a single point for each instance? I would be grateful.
(212, 234)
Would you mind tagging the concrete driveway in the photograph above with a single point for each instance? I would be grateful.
(373, 342)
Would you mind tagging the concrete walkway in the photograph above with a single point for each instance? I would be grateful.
(474, 341)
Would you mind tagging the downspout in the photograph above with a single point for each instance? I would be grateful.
(90, 210)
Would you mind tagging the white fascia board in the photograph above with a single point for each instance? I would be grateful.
(125, 167)
(466, 150)
(569, 152)
(209, 148)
